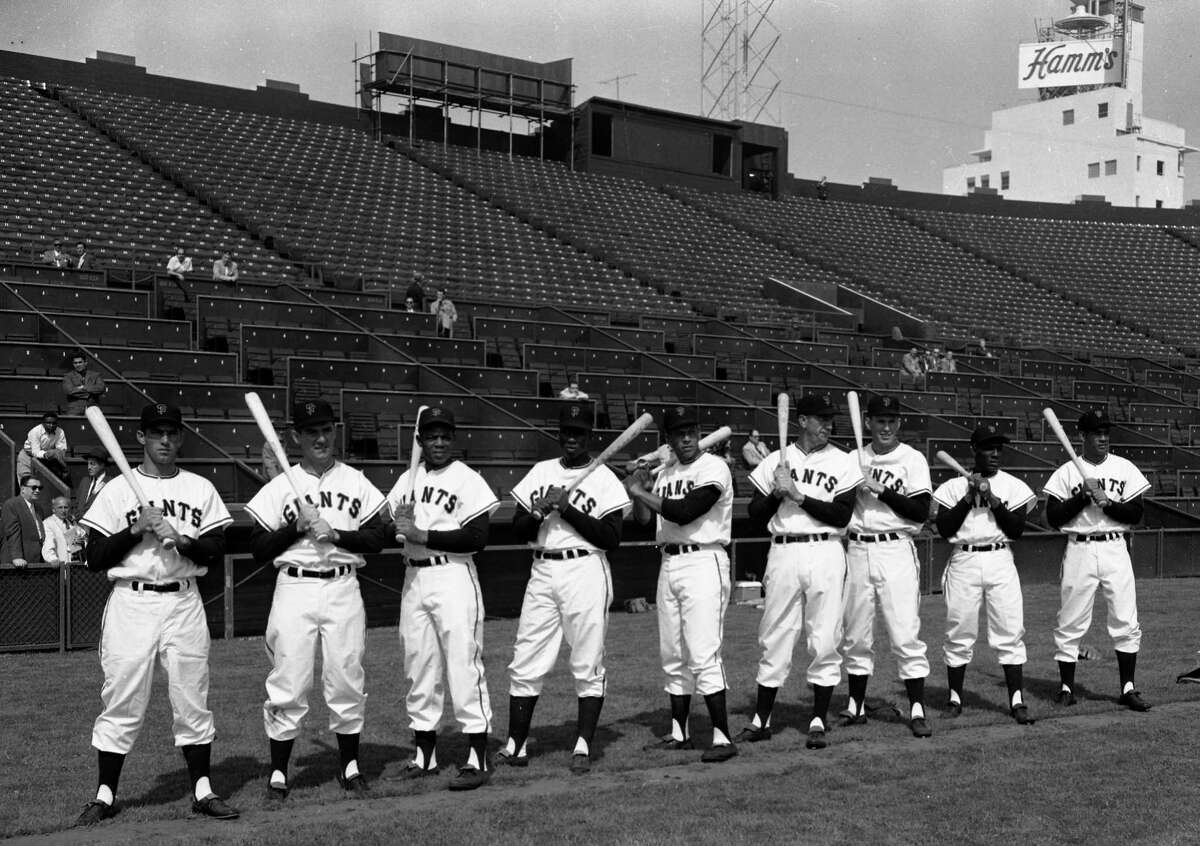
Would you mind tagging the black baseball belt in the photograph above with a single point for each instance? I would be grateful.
(300, 572)
(158, 587)
(1098, 536)
(886, 536)
(983, 547)
(801, 538)
(431, 561)
(561, 554)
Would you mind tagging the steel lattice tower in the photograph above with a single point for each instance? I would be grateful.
(737, 81)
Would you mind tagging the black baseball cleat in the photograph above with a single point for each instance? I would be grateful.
(669, 744)
(504, 759)
(1189, 678)
(581, 764)
(816, 739)
(277, 794)
(94, 812)
(717, 754)
(919, 727)
(214, 806)
(753, 734)
(847, 719)
(1065, 698)
(469, 778)
(953, 709)
(1134, 702)
(356, 784)
(412, 770)
(1020, 713)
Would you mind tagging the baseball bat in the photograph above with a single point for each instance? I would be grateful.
(259, 412)
(657, 455)
(856, 424)
(622, 440)
(707, 442)
(1061, 434)
(109, 439)
(782, 410)
(414, 458)
(947, 459)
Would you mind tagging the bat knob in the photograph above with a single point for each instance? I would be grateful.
(537, 515)
(321, 538)
(168, 543)
(400, 538)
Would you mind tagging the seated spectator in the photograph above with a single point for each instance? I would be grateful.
(983, 349)
(949, 365)
(21, 529)
(410, 305)
(415, 292)
(445, 313)
(912, 368)
(178, 264)
(99, 471)
(83, 258)
(82, 387)
(63, 536)
(225, 269)
(48, 444)
(571, 391)
(754, 451)
(55, 257)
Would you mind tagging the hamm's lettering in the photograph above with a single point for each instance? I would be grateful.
(817, 478)
(1051, 61)
(186, 514)
(1112, 486)
(329, 499)
(887, 478)
(676, 489)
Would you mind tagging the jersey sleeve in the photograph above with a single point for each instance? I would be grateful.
(851, 477)
(714, 472)
(522, 491)
(214, 514)
(478, 497)
(266, 506)
(1137, 483)
(106, 513)
(612, 494)
(1021, 496)
(372, 499)
(949, 492)
(399, 492)
(1059, 483)
(763, 476)
(919, 481)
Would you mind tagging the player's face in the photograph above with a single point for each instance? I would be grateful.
(574, 442)
(885, 431)
(1095, 445)
(316, 444)
(987, 457)
(685, 443)
(161, 442)
(815, 429)
(436, 444)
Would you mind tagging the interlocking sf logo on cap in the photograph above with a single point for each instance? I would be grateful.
(435, 416)
(988, 433)
(575, 416)
(879, 405)
(310, 408)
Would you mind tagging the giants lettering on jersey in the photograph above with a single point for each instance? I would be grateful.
(816, 478)
(579, 498)
(1112, 486)
(677, 489)
(329, 499)
(887, 478)
(171, 508)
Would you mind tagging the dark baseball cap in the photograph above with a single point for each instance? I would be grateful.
(575, 416)
(678, 416)
(816, 404)
(880, 405)
(435, 416)
(312, 413)
(160, 412)
(1094, 420)
(988, 433)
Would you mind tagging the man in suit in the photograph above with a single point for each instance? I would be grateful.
(22, 525)
(90, 485)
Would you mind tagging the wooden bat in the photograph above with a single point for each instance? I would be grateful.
(109, 439)
(856, 424)
(259, 412)
(947, 459)
(655, 456)
(1060, 433)
(707, 442)
(782, 410)
(414, 458)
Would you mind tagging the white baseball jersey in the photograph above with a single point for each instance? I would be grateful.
(343, 497)
(905, 471)
(599, 495)
(822, 474)
(446, 499)
(677, 481)
(980, 525)
(190, 505)
(1119, 478)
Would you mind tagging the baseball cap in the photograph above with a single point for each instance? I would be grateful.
(435, 416)
(312, 413)
(986, 434)
(678, 416)
(880, 405)
(575, 416)
(1094, 420)
(156, 413)
(818, 404)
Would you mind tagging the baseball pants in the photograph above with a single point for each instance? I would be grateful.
(983, 578)
(1085, 567)
(441, 634)
(305, 611)
(803, 585)
(564, 599)
(693, 593)
(140, 629)
(883, 576)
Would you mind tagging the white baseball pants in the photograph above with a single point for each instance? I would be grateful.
(803, 585)
(693, 593)
(564, 599)
(883, 576)
(441, 634)
(987, 578)
(1085, 567)
(305, 611)
(139, 630)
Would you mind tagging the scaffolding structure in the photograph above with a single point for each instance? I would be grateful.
(737, 81)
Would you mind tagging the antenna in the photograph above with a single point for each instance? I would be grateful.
(737, 81)
(617, 80)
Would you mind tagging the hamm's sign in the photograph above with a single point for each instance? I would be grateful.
(1054, 63)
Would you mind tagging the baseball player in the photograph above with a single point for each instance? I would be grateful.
(806, 502)
(442, 519)
(693, 498)
(570, 585)
(882, 570)
(981, 516)
(1095, 513)
(317, 547)
(154, 613)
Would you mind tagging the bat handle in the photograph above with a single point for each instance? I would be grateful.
(400, 538)
(168, 543)
(321, 538)
(537, 515)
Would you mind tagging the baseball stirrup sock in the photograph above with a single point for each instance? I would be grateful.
(426, 743)
(1013, 679)
(589, 717)
(281, 753)
(681, 706)
(955, 677)
(520, 716)
(1126, 665)
(915, 688)
(477, 757)
(764, 702)
(821, 696)
(715, 702)
(858, 694)
(109, 765)
(348, 753)
(1066, 674)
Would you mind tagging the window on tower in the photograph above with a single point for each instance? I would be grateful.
(1068, 117)
(1110, 167)
(1102, 110)
(1094, 170)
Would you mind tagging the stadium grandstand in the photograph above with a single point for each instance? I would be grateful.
(684, 277)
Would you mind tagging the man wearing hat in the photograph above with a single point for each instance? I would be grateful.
(154, 614)
(317, 547)
(693, 498)
(882, 569)
(570, 586)
(981, 515)
(1096, 512)
(95, 480)
(440, 509)
(805, 495)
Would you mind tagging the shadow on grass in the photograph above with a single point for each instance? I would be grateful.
(230, 775)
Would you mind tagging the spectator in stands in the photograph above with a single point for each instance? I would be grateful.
(99, 471)
(754, 450)
(178, 264)
(21, 525)
(225, 269)
(933, 360)
(572, 391)
(949, 365)
(83, 258)
(48, 444)
(445, 313)
(55, 257)
(270, 467)
(415, 292)
(822, 190)
(410, 305)
(82, 387)
(983, 349)
(63, 536)
(912, 368)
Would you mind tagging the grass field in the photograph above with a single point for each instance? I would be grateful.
(1091, 774)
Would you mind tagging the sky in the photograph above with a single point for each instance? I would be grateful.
(867, 87)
